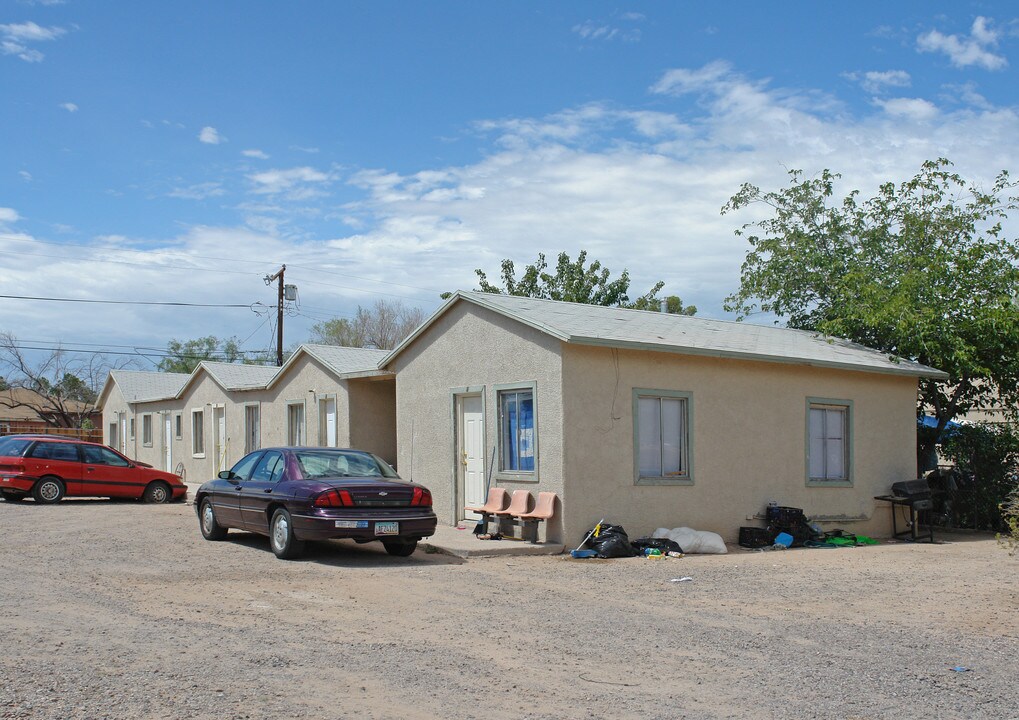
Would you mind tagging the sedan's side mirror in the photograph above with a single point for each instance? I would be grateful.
(226, 475)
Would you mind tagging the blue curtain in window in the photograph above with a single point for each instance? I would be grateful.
(518, 431)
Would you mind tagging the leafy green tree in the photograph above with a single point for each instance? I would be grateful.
(383, 326)
(921, 271)
(183, 356)
(573, 281)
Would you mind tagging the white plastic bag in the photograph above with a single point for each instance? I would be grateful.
(694, 542)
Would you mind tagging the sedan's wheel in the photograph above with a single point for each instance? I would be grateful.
(211, 529)
(13, 497)
(48, 490)
(400, 548)
(281, 536)
(157, 492)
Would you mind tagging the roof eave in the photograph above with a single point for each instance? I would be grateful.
(913, 370)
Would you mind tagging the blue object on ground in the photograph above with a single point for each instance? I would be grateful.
(583, 554)
(784, 539)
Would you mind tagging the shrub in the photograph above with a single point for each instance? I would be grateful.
(987, 457)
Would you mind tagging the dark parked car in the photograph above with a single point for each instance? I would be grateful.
(50, 468)
(310, 493)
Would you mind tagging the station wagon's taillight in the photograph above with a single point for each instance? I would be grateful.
(422, 498)
(334, 498)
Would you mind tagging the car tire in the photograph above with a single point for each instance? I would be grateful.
(13, 497)
(48, 490)
(281, 536)
(157, 492)
(210, 527)
(400, 548)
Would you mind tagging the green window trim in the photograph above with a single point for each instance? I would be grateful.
(685, 447)
(520, 390)
(846, 407)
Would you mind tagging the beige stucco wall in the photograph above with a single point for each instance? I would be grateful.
(470, 347)
(748, 442)
(372, 416)
(307, 383)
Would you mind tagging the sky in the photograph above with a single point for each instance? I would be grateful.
(181, 152)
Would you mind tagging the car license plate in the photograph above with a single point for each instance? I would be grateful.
(387, 528)
(351, 524)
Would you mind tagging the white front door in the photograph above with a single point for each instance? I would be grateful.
(472, 453)
(219, 423)
(167, 436)
(123, 434)
(327, 422)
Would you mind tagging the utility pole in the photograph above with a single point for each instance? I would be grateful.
(279, 313)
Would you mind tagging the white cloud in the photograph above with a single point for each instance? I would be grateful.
(300, 183)
(877, 82)
(965, 51)
(8, 215)
(14, 39)
(69, 107)
(25, 175)
(916, 109)
(255, 154)
(590, 30)
(210, 136)
(680, 81)
(200, 191)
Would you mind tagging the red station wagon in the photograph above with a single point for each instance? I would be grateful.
(50, 468)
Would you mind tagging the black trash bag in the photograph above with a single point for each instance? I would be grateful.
(612, 542)
(663, 544)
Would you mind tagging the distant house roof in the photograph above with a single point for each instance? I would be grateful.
(141, 386)
(581, 324)
(22, 397)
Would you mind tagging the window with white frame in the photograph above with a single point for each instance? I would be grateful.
(518, 449)
(147, 429)
(828, 446)
(295, 424)
(178, 426)
(198, 432)
(130, 432)
(661, 436)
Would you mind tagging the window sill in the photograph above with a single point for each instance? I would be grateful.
(200, 456)
(517, 477)
(664, 481)
(830, 483)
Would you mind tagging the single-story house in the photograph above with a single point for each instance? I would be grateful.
(24, 411)
(206, 421)
(649, 419)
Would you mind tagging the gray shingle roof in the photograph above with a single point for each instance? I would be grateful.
(645, 330)
(142, 386)
(347, 360)
(240, 377)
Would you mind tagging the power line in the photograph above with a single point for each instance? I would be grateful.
(249, 306)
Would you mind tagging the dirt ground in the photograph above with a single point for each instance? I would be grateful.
(119, 610)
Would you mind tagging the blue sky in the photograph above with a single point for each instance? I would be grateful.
(383, 150)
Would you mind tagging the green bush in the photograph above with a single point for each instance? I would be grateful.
(987, 457)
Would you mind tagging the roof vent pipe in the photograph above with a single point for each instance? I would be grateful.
(663, 305)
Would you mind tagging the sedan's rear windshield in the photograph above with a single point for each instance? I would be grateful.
(319, 463)
(14, 447)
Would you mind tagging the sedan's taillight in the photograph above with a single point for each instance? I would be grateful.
(422, 498)
(334, 498)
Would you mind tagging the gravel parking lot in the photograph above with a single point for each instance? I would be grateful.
(120, 610)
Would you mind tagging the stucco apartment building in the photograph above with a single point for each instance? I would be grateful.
(646, 419)
(206, 421)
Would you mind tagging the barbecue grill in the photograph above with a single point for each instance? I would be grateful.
(915, 495)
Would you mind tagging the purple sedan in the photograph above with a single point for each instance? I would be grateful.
(304, 493)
